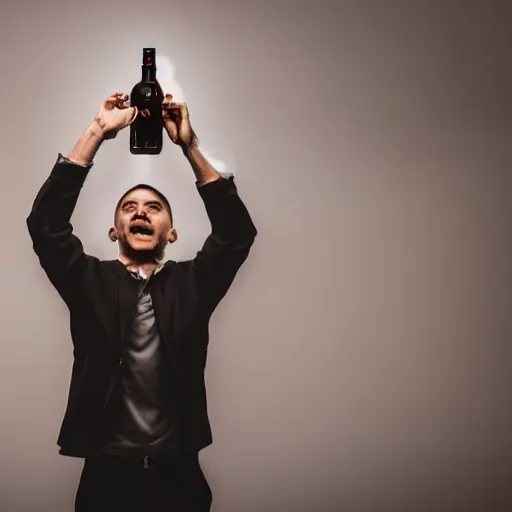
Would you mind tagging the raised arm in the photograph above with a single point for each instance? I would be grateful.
(60, 252)
(233, 231)
(229, 242)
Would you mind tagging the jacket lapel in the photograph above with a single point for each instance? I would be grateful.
(164, 307)
(127, 296)
(127, 300)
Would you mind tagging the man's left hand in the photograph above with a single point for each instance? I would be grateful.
(177, 123)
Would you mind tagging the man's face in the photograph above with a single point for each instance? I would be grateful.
(142, 222)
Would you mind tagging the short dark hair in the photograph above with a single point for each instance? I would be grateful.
(146, 187)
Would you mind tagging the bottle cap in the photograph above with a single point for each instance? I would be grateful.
(149, 57)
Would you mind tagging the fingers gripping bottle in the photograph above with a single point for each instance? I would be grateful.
(147, 96)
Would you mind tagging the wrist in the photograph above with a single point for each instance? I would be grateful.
(189, 148)
(94, 133)
(186, 151)
(96, 130)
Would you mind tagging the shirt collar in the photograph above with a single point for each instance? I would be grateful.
(140, 274)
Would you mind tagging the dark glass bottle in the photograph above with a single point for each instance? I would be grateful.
(147, 95)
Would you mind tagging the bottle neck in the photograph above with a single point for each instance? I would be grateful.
(148, 73)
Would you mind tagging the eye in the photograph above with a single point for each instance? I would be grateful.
(155, 207)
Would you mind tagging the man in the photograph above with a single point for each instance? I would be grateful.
(136, 408)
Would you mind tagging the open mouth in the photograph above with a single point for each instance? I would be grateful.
(141, 229)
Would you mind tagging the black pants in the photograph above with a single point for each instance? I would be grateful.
(120, 484)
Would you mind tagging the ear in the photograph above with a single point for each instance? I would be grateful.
(172, 236)
(112, 234)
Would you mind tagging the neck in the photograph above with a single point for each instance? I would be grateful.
(148, 266)
(149, 73)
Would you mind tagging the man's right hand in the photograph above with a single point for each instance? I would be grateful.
(115, 114)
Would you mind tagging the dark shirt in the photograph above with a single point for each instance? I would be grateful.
(141, 423)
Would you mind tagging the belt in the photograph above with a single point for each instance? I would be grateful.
(149, 460)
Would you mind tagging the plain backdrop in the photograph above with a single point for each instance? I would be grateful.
(361, 360)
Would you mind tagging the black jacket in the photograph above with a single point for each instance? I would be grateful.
(101, 297)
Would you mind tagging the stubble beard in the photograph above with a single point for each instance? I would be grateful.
(144, 255)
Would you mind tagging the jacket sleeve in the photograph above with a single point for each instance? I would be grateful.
(60, 252)
(228, 244)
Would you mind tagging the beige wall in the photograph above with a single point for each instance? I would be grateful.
(361, 361)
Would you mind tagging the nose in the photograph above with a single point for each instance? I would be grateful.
(142, 212)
